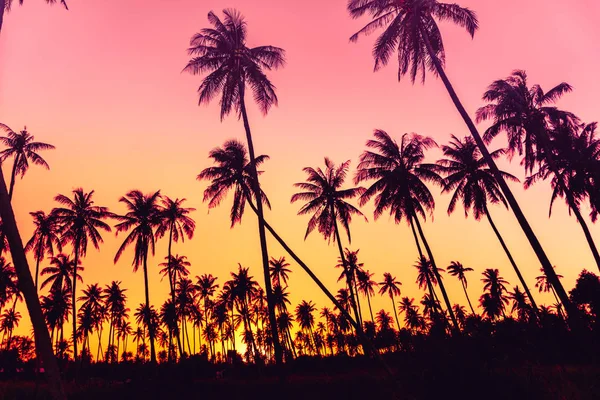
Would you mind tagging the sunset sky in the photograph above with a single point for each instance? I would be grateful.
(103, 83)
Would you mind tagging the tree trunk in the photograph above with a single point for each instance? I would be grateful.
(395, 312)
(74, 298)
(531, 237)
(149, 322)
(437, 275)
(512, 261)
(38, 258)
(370, 309)
(172, 278)
(468, 300)
(26, 286)
(261, 231)
(13, 175)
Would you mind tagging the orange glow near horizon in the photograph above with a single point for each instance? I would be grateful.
(103, 83)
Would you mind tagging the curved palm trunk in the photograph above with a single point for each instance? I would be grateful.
(172, 279)
(531, 237)
(468, 299)
(38, 258)
(74, 298)
(395, 312)
(437, 275)
(512, 261)
(261, 232)
(149, 322)
(13, 175)
(26, 286)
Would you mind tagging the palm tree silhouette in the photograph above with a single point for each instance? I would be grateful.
(543, 284)
(92, 301)
(6, 5)
(143, 218)
(458, 270)
(80, 221)
(350, 271)
(278, 269)
(400, 175)
(21, 147)
(8, 282)
(9, 321)
(61, 272)
(472, 181)
(411, 28)
(366, 286)
(115, 301)
(206, 287)
(327, 202)
(495, 299)
(305, 317)
(520, 306)
(391, 286)
(427, 279)
(222, 51)
(45, 238)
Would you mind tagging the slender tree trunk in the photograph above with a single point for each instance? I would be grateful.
(261, 231)
(360, 317)
(531, 237)
(232, 328)
(395, 312)
(370, 309)
(172, 279)
(38, 258)
(26, 285)
(149, 322)
(512, 261)
(13, 176)
(437, 275)
(467, 295)
(74, 298)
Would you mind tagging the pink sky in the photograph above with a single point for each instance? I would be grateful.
(103, 83)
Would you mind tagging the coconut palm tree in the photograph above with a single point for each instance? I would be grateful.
(8, 282)
(206, 288)
(366, 286)
(458, 270)
(45, 238)
(391, 286)
(305, 317)
(544, 286)
(142, 218)
(351, 267)
(8, 322)
(411, 29)
(61, 272)
(328, 203)
(21, 147)
(233, 67)
(80, 222)
(427, 279)
(400, 176)
(470, 180)
(495, 298)
(278, 269)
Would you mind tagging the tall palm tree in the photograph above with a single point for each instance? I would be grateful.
(328, 203)
(351, 268)
(45, 238)
(278, 269)
(400, 176)
(411, 29)
(427, 279)
(527, 114)
(366, 286)
(21, 147)
(305, 317)
(8, 282)
(8, 322)
(458, 270)
(543, 284)
(472, 181)
(222, 50)
(80, 222)
(61, 272)
(143, 219)
(178, 224)
(391, 286)
(495, 298)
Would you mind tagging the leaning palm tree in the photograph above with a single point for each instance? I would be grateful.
(142, 218)
(234, 67)
(391, 286)
(80, 222)
(45, 238)
(411, 29)
(458, 270)
(472, 182)
(328, 203)
(527, 115)
(399, 187)
(21, 147)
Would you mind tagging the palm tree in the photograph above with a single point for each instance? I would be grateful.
(233, 67)
(21, 147)
(328, 204)
(495, 299)
(80, 221)
(9, 321)
(8, 282)
(366, 286)
(400, 176)
(45, 238)
(458, 270)
(305, 317)
(243, 288)
(411, 28)
(278, 269)
(206, 287)
(61, 271)
(6, 5)
(178, 224)
(472, 181)
(351, 268)
(143, 218)
(427, 278)
(543, 284)
(390, 286)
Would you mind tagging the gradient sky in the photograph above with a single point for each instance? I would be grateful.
(103, 83)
